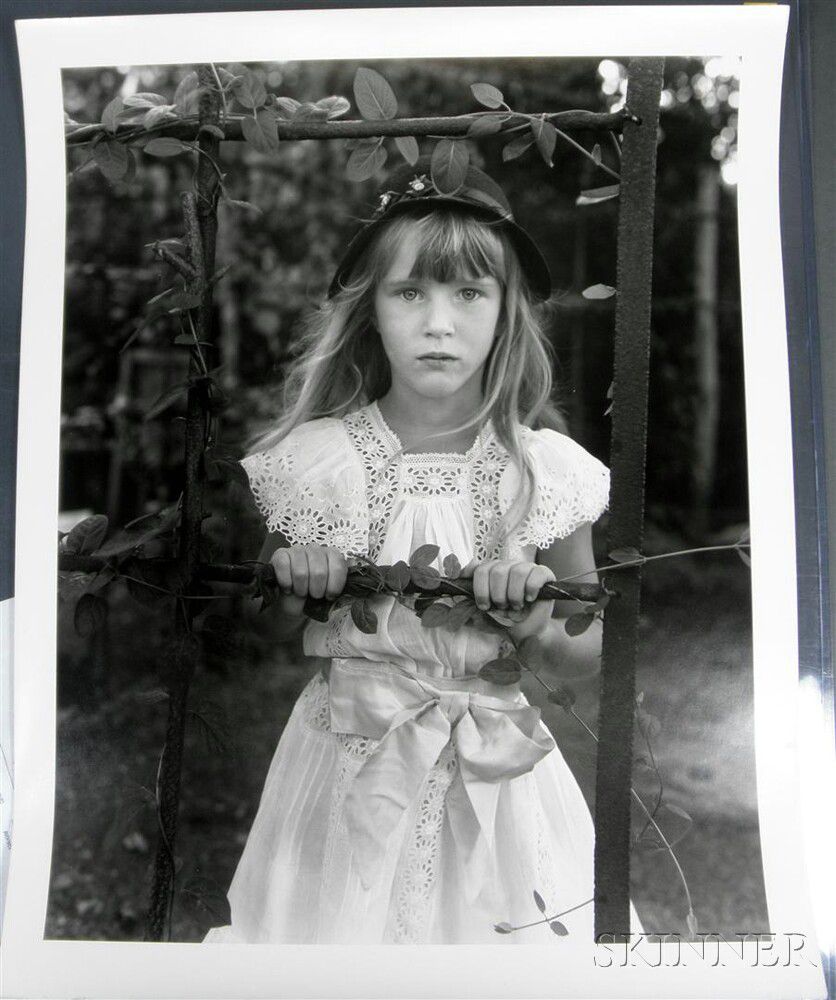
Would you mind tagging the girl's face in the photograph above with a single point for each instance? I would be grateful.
(437, 335)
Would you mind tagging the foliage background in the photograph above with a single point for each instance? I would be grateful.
(696, 645)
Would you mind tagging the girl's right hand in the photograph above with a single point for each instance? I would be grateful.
(304, 571)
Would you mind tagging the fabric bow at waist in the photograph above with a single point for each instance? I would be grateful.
(414, 718)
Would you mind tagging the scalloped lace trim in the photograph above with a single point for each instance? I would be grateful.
(565, 500)
(331, 512)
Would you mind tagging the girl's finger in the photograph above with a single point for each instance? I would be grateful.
(299, 570)
(280, 561)
(498, 584)
(337, 573)
(517, 578)
(536, 578)
(467, 571)
(481, 589)
(317, 570)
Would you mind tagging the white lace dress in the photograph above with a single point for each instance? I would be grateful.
(409, 800)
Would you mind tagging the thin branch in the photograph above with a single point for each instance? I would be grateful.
(587, 154)
(453, 125)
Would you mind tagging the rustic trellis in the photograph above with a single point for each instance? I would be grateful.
(195, 264)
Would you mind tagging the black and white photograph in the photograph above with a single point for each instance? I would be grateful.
(404, 560)
(391, 321)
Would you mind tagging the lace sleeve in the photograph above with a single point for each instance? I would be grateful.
(571, 488)
(308, 487)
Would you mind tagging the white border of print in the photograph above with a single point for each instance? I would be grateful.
(34, 967)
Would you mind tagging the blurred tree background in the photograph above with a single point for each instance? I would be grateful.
(280, 262)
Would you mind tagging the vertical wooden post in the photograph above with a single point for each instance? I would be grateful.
(706, 349)
(627, 459)
(200, 211)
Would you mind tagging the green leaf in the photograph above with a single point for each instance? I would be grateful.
(221, 466)
(334, 107)
(187, 95)
(516, 147)
(626, 555)
(130, 173)
(110, 115)
(564, 696)
(452, 566)
(397, 577)
(408, 148)
(214, 130)
(260, 132)
(596, 153)
(677, 811)
(374, 97)
(425, 577)
(649, 724)
(166, 146)
(235, 203)
(539, 902)
(156, 116)
(105, 576)
(86, 536)
(502, 671)
(448, 165)
(578, 624)
(460, 613)
(365, 160)
(487, 95)
(545, 134)
(598, 292)
(503, 928)
(423, 555)
(141, 532)
(145, 100)
(90, 615)
(310, 112)
(286, 106)
(436, 615)
(485, 125)
(363, 617)
(111, 158)
(558, 928)
(165, 399)
(248, 89)
(596, 195)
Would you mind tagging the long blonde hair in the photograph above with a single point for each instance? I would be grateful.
(341, 364)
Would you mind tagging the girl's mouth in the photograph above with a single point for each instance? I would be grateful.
(435, 356)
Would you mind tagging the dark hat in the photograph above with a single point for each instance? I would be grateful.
(410, 190)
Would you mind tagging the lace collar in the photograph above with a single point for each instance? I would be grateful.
(434, 457)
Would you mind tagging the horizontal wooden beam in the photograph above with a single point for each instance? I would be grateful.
(456, 125)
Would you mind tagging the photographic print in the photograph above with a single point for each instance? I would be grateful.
(404, 494)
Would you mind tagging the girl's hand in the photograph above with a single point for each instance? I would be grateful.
(304, 571)
(512, 587)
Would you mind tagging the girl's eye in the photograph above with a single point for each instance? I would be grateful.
(470, 294)
(409, 294)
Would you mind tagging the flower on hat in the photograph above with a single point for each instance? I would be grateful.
(418, 184)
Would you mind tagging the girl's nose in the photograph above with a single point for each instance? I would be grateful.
(439, 318)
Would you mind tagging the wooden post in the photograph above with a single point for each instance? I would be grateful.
(200, 212)
(627, 459)
(705, 346)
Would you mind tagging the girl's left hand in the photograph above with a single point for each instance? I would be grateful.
(511, 587)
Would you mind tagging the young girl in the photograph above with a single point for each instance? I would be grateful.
(410, 800)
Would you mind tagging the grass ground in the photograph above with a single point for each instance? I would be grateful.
(694, 668)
